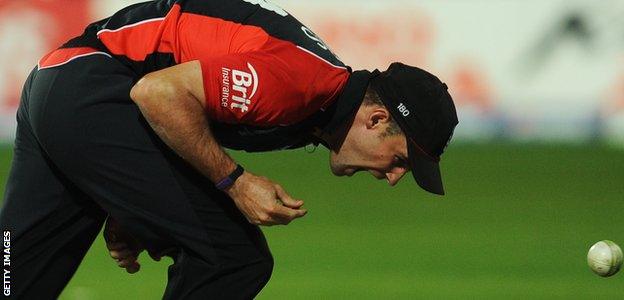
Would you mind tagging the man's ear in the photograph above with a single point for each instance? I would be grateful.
(377, 117)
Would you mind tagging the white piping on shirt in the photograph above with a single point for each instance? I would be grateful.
(72, 58)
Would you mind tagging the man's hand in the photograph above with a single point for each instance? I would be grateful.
(264, 202)
(122, 247)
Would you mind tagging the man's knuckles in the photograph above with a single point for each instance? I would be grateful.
(272, 210)
(265, 218)
(123, 255)
(126, 263)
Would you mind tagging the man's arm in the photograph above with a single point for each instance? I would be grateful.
(172, 100)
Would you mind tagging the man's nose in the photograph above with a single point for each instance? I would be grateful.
(394, 176)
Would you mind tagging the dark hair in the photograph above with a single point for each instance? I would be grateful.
(372, 98)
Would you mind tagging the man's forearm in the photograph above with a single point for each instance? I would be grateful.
(180, 121)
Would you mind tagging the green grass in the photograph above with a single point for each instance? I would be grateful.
(516, 224)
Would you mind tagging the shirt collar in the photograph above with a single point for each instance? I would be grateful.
(347, 102)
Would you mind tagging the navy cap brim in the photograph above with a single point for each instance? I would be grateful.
(425, 171)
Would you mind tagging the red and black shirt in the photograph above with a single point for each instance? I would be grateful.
(268, 79)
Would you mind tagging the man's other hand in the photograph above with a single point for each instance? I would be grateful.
(122, 247)
(264, 202)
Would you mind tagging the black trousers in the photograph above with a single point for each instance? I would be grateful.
(83, 151)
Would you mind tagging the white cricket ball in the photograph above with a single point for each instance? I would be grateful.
(605, 258)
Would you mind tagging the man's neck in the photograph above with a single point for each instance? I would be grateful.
(334, 140)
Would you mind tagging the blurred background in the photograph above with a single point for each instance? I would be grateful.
(535, 174)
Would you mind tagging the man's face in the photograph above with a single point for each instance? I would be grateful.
(365, 148)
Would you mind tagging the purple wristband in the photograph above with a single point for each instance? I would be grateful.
(230, 179)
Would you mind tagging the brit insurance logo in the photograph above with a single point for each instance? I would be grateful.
(238, 88)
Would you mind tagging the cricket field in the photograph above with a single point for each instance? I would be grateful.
(516, 223)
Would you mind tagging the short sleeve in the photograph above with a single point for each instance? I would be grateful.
(277, 85)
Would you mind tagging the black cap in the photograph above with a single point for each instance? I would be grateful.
(421, 105)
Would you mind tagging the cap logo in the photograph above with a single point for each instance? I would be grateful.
(403, 110)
